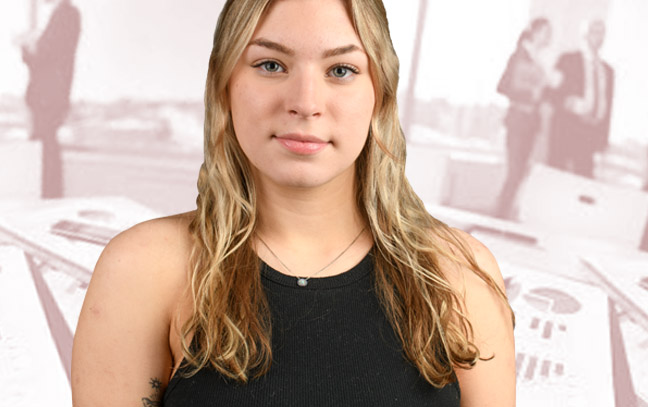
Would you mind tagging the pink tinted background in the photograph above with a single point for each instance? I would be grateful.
(132, 145)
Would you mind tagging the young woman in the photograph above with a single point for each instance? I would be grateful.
(310, 273)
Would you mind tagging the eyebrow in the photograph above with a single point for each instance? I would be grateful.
(262, 42)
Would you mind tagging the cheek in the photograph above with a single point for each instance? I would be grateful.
(240, 102)
(242, 112)
(249, 110)
(357, 110)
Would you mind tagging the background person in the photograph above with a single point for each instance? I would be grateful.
(523, 83)
(51, 69)
(582, 105)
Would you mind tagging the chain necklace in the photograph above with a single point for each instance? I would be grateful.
(303, 281)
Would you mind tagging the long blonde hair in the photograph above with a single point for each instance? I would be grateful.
(231, 320)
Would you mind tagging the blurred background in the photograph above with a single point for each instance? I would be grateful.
(101, 118)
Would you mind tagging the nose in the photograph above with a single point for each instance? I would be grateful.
(304, 97)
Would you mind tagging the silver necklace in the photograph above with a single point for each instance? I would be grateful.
(303, 281)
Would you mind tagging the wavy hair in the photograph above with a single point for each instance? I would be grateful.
(231, 319)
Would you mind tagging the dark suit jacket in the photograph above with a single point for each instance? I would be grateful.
(51, 66)
(520, 80)
(565, 123)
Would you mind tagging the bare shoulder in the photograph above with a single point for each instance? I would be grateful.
(483, 256)
(462, 278)
(490, 382)
(121, 350)
(161, 240)
(149, 255)
(159, 233)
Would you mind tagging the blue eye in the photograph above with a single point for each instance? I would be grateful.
(338, 71)
(270, 66)
(343, 71)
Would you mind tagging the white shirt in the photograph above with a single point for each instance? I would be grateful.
(593, 62)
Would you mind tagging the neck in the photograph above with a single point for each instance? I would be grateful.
(307, 227)
(308, 214)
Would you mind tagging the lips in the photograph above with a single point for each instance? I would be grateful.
(302, 144)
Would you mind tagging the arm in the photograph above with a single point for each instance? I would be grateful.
(121, 354)
(556, 93)
(492, 382)
(27, 54)
(510, 85)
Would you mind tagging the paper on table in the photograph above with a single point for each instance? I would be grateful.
(31, 371)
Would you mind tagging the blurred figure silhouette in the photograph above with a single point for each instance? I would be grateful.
(51, 67)
(522, 82)
(581, 105)
(643, 245)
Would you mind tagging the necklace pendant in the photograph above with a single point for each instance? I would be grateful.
(302, 282)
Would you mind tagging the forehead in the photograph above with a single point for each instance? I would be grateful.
(307, 24)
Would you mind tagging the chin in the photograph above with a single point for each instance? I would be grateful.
(296, 181)
(306, 176)
(309, 179)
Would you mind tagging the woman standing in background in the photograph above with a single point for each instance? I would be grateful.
(523, 83)
(50, 60)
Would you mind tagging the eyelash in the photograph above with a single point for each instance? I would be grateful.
(351, 68)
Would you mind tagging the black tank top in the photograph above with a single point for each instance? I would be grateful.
(332, 346)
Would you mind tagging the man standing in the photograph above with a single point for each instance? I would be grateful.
(51, 68)
(582, 105)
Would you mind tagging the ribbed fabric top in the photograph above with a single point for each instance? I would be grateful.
(332, 346)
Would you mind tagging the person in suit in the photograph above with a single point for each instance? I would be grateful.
(522, 82)
(51, 68)
(582, 104)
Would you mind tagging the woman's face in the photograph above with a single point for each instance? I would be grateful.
(301, 95)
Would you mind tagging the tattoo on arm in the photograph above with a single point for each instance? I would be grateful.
(155, 398)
